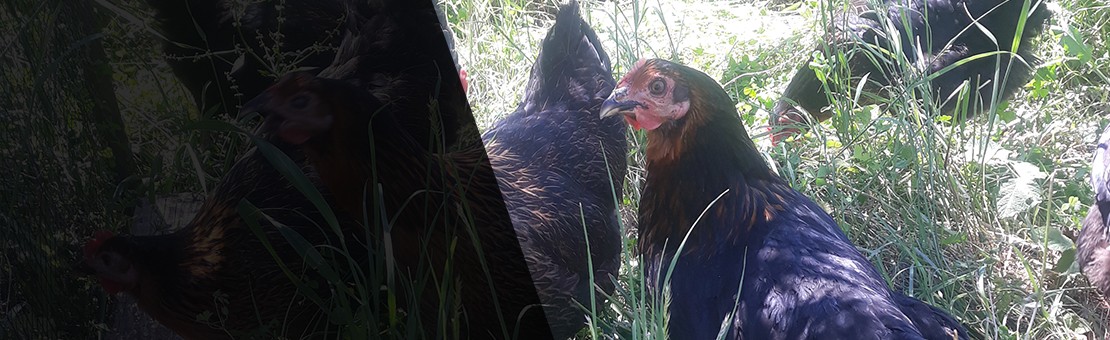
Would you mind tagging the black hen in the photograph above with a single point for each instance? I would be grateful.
(394, 51)
(561, 169)
(948, 34)
(1093, 245)
(932, 322)
(755, 258)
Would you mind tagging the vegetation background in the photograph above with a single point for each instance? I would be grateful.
(976, 218)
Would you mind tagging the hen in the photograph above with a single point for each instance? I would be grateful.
(755, 258)
(561, 169)
(218, 266)
(949, 34)
(1093, 245)
(440, 206)
(394, 51)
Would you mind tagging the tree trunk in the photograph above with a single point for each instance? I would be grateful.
(97, 74)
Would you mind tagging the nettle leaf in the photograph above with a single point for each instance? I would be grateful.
(1066, 264)
(992, 154)
(1016, 196)
(1007, 115)
(1052, 238)
(1027, 170)
(1072, 40)
(1021, 192)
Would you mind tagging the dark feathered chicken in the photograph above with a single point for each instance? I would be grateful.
(443, 205)
(932, 322)
(561, 170)
(1093, 245)
(216, 261)
(396, 54)
(761, 260)
(948, 34)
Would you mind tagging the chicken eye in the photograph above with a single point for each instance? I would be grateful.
(299, 102)
(658, 86)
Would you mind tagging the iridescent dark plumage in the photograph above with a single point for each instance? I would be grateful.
(1093, 245)
(561, 170)
(948, 36)
(760, 252)
(217, 261)
(353, 130)
(932, 322)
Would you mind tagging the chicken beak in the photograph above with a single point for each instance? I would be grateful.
(258, 104)
(615, 104)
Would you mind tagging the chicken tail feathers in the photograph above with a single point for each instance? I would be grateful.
(572, 67)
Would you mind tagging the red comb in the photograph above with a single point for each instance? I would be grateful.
(98, 239)
(462, 77)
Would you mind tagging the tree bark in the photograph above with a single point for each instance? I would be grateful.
(97, 74)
